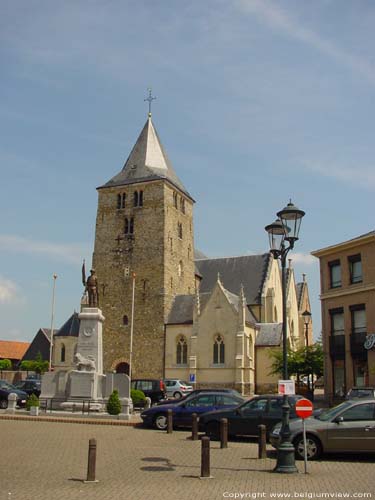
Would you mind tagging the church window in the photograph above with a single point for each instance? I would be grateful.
(180, 268)
(219, 350)
(119, 201)
(182, 205)
(123, 200)
(126, 226)
(129, 226)
(140, 199)
(181, 351)
(175, 200)
(135, 199)
(179, 230)
(62, 353)
(125, 320)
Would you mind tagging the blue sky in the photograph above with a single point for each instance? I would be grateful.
(257, 101)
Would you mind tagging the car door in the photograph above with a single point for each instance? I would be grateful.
(357, 430)
(199, 404)
(272, 414)
(247, 419)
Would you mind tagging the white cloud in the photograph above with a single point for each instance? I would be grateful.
(283, 22)
(363, 177)
(303, 258)
(8, 291)
(72, 253)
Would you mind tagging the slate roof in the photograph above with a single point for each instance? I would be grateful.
(13, 350)
(299, 291)
(248, 270)
(40, 344)
(70, 328)
(270, 334)
(147, 161)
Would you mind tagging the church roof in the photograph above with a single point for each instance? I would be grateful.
(299, 291)
(70, 328)
(147, 161)
(248, 270)
(270, 334)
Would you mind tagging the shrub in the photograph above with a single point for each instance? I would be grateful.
(114, 404)
(138, 397)
(5, 364)
(32, 400)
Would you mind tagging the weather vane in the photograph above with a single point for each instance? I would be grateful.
(149, 99)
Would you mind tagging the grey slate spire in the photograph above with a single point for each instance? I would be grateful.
(147, 161)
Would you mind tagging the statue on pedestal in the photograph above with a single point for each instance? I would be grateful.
(91, 286)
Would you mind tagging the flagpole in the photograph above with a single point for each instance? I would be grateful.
(131, 330)
(52, 318)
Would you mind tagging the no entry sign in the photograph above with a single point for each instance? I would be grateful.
(304, 408)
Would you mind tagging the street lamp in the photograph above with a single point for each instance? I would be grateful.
(283, 233)
(306, 320)
(52, 318)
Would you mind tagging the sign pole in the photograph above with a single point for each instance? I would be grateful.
(304, 444)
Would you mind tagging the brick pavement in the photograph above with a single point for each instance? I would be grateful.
(48, 460)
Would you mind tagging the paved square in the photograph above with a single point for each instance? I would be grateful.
(45, 460)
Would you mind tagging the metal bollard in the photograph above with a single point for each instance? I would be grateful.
(169, 421)
(205, 457)
(262, 442)
(91, 464)
(194, 427)
(224, 433)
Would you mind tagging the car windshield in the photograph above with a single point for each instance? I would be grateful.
(332, 412)
(5, 385)
(182, 382)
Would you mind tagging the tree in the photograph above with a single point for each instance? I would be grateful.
(114, 403)
(5, 364)
(38, 365)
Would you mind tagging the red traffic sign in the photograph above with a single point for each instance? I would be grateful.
(304, 408)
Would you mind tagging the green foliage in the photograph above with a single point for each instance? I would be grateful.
(114, 404)
(302, 362)
(32, 400)
(138, 397)
(38, 365)
(5, 364)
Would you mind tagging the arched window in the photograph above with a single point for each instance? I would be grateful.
(219, 350)
(182, 205)
(179, 230)
(181, 351)
(135, 199)
(175, 200)
(140, 200)
(126, 226)
(119, 201)
(131, 226)
(62, 353)
(123, 200)
(125, 320)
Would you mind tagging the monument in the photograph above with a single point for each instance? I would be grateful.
(86, 386)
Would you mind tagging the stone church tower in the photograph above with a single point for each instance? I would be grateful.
(144, 225)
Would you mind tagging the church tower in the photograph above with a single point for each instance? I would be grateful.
(144, 228)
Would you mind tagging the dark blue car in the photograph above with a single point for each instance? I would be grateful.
(183, 410)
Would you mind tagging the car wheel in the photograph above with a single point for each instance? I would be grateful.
(313, 447)
(177, 395)
(3, 404)
(213, 430)
(160, 421)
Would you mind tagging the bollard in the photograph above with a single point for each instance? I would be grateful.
(91, 464)
(224, 433)
(262, 440)
(194, 427)
(169, 421)
(205, 457)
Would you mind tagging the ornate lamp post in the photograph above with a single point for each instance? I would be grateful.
(283, 233)
(306, 320)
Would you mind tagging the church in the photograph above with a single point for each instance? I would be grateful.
(169, 310)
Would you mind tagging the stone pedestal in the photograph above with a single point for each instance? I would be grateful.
(90, 337)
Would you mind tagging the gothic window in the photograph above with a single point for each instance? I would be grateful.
(175, 200)
(118, 201)
(129, 226)
(140, 199)
(135, 199)
(179, 230)
(125, 320)
(181, 351)
(62, 353)
(219, 350)
(182, 205)
(126, 226)
(123, 200)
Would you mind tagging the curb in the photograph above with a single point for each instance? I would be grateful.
(70, 420)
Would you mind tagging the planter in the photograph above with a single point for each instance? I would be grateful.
(34, 411)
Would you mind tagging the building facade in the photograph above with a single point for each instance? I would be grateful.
(347, 283)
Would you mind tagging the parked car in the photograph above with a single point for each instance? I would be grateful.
(152, 388)
(182, 410)
(177, 388)
(245, 419)
(194, 392)
(348, 427)
(5, 390)
(361, 392)
(29, 386)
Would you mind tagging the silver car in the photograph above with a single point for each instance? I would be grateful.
(177, 388)
(348, 427)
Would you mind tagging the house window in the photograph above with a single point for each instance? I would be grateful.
(358, 314)
(337, 321)
(355, 268)
(179, 230)
(219, 350)
(335, 273)
(181, 351)
(129, 226)
(62, 354)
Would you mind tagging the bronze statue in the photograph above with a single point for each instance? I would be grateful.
(91, 287)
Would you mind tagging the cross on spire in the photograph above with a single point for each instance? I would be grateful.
(150, 98)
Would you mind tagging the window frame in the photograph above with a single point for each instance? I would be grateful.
(352, 260)
(334, 264)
